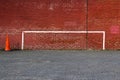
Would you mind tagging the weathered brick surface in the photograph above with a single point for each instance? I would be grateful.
(104, 15)
(55, 41)
(19, 15)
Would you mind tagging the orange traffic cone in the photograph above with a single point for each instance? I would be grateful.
(7, 44)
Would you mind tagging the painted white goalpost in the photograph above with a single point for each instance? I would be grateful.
(62, 32)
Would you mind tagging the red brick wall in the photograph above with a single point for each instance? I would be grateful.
(105, 15)
(19, 15)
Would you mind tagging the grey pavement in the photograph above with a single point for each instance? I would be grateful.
(60, 65)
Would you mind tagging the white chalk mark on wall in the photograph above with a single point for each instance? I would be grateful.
(51, 6)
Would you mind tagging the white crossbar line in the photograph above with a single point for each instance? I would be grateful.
(63, 31)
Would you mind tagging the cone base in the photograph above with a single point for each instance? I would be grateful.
(7, 49)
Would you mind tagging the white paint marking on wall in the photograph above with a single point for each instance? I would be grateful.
(51, 7)
(64, 32)
(22, 40)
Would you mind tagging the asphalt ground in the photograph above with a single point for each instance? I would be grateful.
(60, 65)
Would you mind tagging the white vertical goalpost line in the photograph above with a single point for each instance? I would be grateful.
(63, 32)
